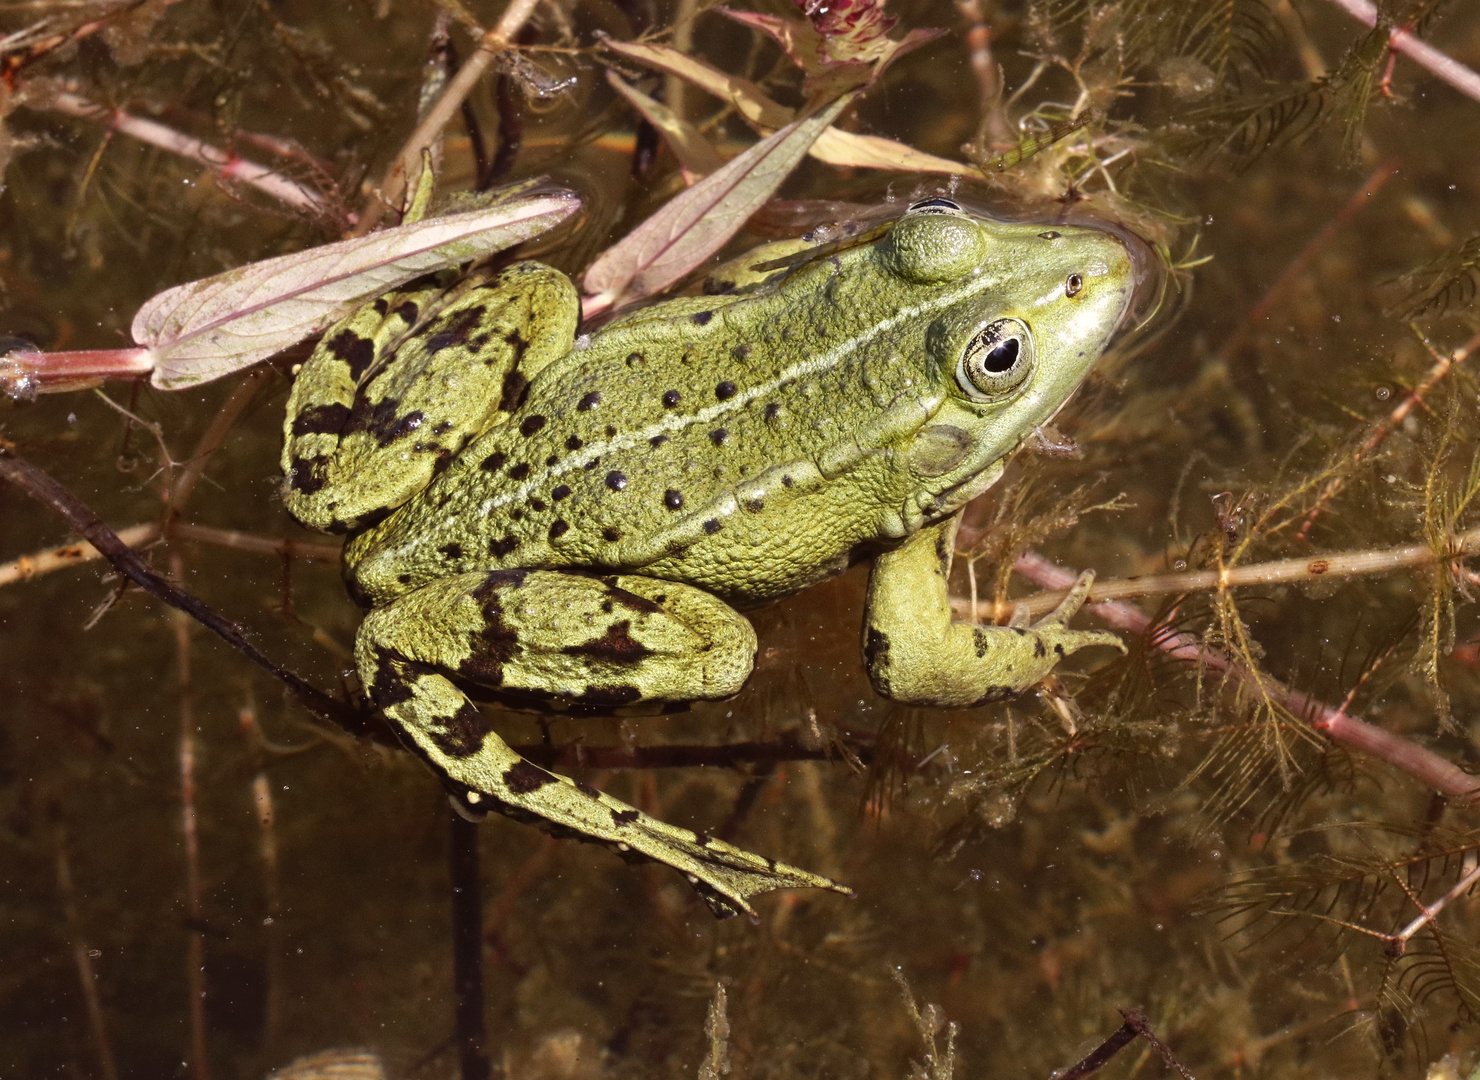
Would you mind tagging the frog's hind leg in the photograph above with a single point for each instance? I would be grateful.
(563, 639)
(394, 391)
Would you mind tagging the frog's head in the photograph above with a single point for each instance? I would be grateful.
(1020, 313)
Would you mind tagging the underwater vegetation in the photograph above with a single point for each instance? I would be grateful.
(1245, 848)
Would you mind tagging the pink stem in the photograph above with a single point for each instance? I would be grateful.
(24, 373)
(1336, 724)
(1463, 79)
(231, 167)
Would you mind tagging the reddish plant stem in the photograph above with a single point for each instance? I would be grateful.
(24, 373)
(1463, 79)
(225, 163)
(1384, 427)
(195, 951)
(1336, 724)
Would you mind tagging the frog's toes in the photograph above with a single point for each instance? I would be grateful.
(1055, 635)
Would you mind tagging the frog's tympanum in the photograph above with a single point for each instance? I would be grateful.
(573, 524)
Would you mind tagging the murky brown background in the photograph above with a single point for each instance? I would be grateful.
(1030, 905)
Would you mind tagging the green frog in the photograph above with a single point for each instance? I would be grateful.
(575, 523)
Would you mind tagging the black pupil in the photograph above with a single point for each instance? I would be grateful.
(1002, 357)
(936, 205)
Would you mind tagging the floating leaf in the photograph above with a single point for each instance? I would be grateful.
(849, 148)
(832, 146)
(209, 328)
(696, 155)
(699, 221)
(205, 329)
(745, 95)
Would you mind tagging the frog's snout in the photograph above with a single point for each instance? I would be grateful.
(1131, 276)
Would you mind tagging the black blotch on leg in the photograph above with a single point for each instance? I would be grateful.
(307, 475)
(321, 420)
(616, 646)
(462, 733)
(525, 776)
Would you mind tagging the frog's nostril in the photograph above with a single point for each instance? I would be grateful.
(1073, 285)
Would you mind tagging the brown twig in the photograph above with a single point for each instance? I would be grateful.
(40, 486)
(45, 561)
(82, 957)
(1278, 571)
(1135, 1026)
(388, 195)
(195, 951)
(210, 440)
(1338, 725)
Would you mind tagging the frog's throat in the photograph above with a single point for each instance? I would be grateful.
(820, 362)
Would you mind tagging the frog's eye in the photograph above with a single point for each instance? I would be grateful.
(996, 360)
(936, 205)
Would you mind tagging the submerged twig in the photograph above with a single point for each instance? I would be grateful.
(1135, 1026)
(1280, 289)
(1337, 724)
(82, 957)
(267, 850)
(40, 486)
(467, 949)
(195, 951)
(1276, 572)
(45, 561)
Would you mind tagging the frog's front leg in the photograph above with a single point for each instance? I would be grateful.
(917, 655)
(565, 641)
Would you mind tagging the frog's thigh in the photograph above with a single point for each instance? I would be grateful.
(396, 390)
(916, 654)
(571, 635)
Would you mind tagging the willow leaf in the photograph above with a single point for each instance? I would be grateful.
(208, 328)
(699, 221)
